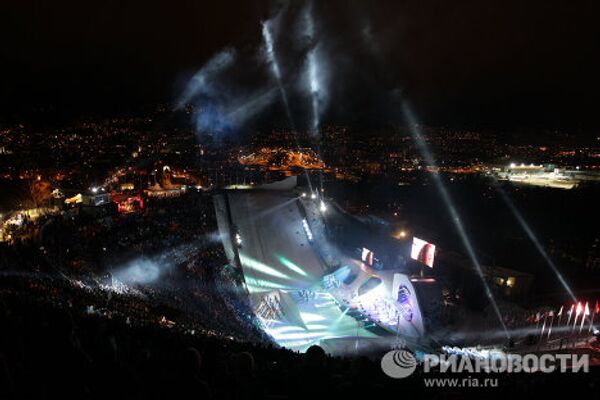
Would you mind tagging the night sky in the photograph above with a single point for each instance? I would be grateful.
(533, 63)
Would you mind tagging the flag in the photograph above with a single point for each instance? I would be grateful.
(596, 309)
(586, 312)
(543, 328)
(570, 313)
(551, 322)
(560, 314)
(577, 312)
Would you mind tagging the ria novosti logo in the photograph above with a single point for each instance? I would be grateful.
(399, 364)
(402, 363)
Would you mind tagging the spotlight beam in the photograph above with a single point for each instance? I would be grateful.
(294, 267)
(315, 87)
(200, 82)
(271, 57)
(532, 236)
(427, 156)
(258, 266)
(238, 113)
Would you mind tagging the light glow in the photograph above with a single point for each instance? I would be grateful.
(253, 264)
(322, 206)
(427, 156)
(291, 266)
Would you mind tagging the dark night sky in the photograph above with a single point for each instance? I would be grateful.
(483, 63)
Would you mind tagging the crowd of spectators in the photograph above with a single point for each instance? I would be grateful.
(83, 255)
(84, 331)
(49, 350)
(102, 241)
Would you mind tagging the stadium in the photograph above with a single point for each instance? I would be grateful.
(309, 285)
(313, 274)
(290, 199)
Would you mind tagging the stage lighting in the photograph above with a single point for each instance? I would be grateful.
(297, 269)
(307, 230)
(323, 207)
(255, 265)
(423, 148)
(534, 239)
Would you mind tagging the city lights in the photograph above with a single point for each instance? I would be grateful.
(295, 198)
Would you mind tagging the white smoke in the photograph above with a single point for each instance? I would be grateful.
(315, 76)
(202, 81)
(141, 271)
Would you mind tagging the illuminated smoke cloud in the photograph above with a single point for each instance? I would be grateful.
(201, 83)
(271, 59)
(224, 101)
(371, 43)
(367, 32)
(270, 50)
(141, 271)
(314, 89)
(315, 74)
(221, 107)
(149, 270)
(228, 113)
(211, 118)
(209, 95)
